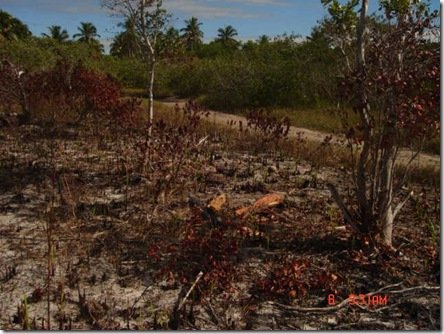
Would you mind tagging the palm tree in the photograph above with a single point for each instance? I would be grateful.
(126, 43)
(226, 35)
(192, 33)
(263, 39)
(88, 32)
(169, 43)
(56, 32)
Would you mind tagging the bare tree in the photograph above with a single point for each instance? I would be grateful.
(150, 21)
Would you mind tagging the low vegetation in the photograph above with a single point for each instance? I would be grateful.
(115, 217)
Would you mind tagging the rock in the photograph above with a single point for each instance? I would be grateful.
(332, 321)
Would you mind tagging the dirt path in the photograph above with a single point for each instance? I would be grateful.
(423, 159)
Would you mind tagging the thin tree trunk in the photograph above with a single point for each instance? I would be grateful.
(363, 109)
(386, 193)
(387, 214)
(361, 104)
(151, 96)
(387, 228)
(360, 47)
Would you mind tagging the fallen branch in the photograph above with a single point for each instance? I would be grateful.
(372, 323)
(199, 276)
(137, 300)
(344, 303)
(385, 288)
(214, 318)
(423, 288)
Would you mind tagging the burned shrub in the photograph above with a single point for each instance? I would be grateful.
(271, 130)
(295, 278)
(169, 156)
(65, 94)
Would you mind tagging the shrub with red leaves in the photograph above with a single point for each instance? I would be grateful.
(214, 251)
(269, 127)
(68, 91)
(294, 279)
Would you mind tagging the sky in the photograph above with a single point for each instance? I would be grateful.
(251, 18)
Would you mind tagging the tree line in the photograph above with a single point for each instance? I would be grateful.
(225, 74)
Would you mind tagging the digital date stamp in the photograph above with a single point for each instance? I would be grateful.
(361, 299)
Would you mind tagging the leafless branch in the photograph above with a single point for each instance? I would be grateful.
(199, 276)
(347, 215)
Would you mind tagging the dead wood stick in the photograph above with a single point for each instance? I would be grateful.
(137, 300)
(342, 304)
(385, 288)
(199, 276)
(338, 199)
(423, 288)
(212, 312)
(387, 325)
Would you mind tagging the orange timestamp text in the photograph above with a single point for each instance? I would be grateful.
(361, 299)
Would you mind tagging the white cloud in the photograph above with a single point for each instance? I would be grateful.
(206, 9)
(106, 42)
(263, 2)
(60, 6)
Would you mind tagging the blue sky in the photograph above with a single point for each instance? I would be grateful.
(251, 18)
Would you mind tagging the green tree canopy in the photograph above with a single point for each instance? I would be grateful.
(126, 43)
(226, 35)
(12, 28)
(56, 33)
(87, 32)
(192, 34)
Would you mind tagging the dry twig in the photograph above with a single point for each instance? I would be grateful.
(199, 276)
